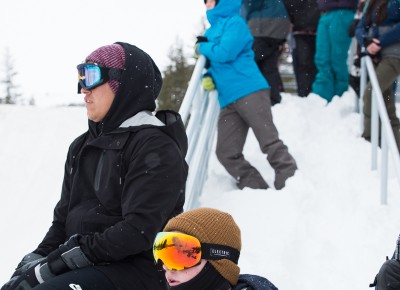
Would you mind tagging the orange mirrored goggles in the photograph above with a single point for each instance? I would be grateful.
(178, 251)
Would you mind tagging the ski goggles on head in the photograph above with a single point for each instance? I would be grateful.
(92, 75)
(179, 251)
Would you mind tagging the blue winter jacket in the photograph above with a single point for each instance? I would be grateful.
(229, 49)
(328, 5)
(388, 32)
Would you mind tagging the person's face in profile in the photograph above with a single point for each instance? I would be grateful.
(175, 278)
(210, 4)
(98, 101)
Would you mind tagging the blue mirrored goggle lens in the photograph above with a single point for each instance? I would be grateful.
(89, 75)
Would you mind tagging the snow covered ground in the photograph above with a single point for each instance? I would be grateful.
(325, 230)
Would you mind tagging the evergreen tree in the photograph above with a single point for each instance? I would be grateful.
(11, 93)
(176, 79)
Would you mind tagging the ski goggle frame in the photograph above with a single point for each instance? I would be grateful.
(92, 75)
(178, 251)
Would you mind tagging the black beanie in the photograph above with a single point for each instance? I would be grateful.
(216, 2)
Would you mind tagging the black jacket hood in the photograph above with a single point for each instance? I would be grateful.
(139, 87)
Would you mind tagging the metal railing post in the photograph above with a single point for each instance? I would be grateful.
(374, 131)
(199, 111)
(388, 143)
(192, 88)
(384, 168)
(363, 85)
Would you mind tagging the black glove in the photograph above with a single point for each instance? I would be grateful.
(197, 44)
(28, 259)
(34, 276)
(26, 263)
(68, 256)
(201, 39)
(10, 283)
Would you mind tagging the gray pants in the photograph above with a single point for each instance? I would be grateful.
(387, 71)
(252, 111)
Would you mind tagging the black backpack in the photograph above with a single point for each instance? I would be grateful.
(388, 277)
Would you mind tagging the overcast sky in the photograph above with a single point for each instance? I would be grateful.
(47, 39)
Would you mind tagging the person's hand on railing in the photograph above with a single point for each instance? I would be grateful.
(208, 83)
(374, 46)
(373, 49)
(200, 39)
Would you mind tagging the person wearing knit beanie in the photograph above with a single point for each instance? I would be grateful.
(125, 177)
(209, 226)
(218, 233)
(112, 56)
(130, 85)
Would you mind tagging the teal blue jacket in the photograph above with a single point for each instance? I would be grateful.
(229, 49)
(266, 18)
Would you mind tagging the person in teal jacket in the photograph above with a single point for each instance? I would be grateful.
(243, 95)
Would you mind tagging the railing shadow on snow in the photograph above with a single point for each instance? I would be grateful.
(387, 140)
(199, 112)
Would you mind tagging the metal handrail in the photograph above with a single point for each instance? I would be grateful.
(199, 111)
(388, 143)
(192, 89)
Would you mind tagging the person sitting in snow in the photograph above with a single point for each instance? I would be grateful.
(243, 95)
(124, 178)
(199, 249)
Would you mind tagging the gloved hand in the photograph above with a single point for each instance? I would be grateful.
(196, 46)
(28, 259)
(208, 83)
(26, 263)
(68, 256)
(35, 275)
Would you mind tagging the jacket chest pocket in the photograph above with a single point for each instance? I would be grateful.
(107, 180)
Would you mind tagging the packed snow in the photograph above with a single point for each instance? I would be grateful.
(325, 230)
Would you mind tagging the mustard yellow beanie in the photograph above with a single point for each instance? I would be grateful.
(211, 226)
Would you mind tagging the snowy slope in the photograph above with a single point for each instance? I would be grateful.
(325, 230)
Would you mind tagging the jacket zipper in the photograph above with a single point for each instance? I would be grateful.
(98, 171)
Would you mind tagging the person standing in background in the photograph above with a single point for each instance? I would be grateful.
(332, 45)
(270, 25)
(355, 51)
(243, 97)
(379, 31)
(304, 16)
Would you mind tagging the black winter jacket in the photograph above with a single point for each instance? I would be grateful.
(121, 185)
(253, 282)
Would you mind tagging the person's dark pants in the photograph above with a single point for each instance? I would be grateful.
(267, 51)
(252, 111)
(304, 67)
(387, 72)
(88, 278)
